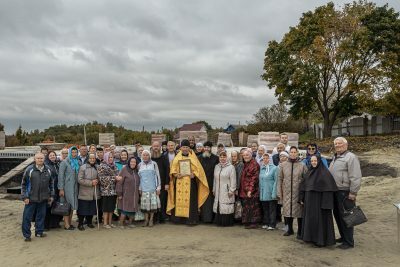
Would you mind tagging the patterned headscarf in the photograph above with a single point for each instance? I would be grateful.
(73, 161)
(106, 156)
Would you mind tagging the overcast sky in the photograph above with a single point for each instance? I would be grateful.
(133, 63)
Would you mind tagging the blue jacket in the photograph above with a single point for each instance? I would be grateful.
(268, 179)
(36, 185)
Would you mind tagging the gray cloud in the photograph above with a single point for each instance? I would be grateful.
(152, 63)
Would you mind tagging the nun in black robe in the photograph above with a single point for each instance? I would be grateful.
(317, 194)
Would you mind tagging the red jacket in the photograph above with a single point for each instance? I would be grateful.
(249, 179)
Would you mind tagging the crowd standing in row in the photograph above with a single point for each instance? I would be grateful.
(249, 186)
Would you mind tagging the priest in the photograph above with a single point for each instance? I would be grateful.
(188, 187)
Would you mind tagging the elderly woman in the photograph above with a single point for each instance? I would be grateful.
(108, 175)
(283, 157)
(260, 152)
(317, 195)
(128, 192)
(68, 184)
(123, 160)
(224, 191)
(88, 192)
(268, 180)
(249, 191)
(63, 154)
(237, 162)
(51, 220)
(150, 187)
(290, 176)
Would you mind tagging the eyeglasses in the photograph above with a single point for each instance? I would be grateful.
(311, 148)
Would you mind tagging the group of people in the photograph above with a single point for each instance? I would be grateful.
(189, 184)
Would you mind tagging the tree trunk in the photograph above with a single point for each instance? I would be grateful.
(328, 124)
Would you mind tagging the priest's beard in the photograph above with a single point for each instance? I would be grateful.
(155, 154)
(206, 154)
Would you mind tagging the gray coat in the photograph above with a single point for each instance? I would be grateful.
(224, 182)
(86, 175)
(346, 171)
(68, 181)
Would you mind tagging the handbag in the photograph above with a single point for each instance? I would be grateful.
(62, 208)
(353, 216)
(238, 209)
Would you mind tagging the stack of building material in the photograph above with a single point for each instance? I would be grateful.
(2, 140)
(252, 139)
(106, 139)
(268, 139)
(158, 137)
(225, 139)
(293, 139)
(199, 136)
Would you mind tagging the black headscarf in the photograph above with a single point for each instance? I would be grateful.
(319, 179)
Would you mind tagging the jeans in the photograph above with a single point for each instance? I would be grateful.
(338, 211)
(27, 217)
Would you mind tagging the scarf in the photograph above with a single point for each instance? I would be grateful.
(74, 162)
(319, 179)
(106, 156)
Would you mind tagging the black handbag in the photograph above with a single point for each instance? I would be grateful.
(62, 208)
(353, 216)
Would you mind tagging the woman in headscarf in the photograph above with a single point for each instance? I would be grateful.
(291, 174)
(88, 192)
(260, 152)
(237, 162)
(108, 175)
(199, 149)
(150, 187)
(123, 160)
(317, 196)
(249, 191)
(53, 221)
(68, 184)
(312, 150)
(224, 191)
(128, 192)
(268, 180)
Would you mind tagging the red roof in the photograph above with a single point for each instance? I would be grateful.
(192, 127)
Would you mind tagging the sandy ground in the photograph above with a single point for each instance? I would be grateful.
(173, 245)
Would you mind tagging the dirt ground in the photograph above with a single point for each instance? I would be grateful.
(203, 245)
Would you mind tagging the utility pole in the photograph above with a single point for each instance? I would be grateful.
(84, 134)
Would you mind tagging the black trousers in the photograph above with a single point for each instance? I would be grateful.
(341, 202)
(278, 212)
(162, 213)
(289, 223)
(269, 212)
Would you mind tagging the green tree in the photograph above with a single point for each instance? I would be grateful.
(327, 63)
(208, 126)
(1, 127)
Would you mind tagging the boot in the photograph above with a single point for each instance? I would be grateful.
(146, 219)
(151, 219)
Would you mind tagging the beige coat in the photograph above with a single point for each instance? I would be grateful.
(86, 175)
(290, 177)
(224, 182)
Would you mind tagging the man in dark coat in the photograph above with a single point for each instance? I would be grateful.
(208, 161)
(156, 156)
